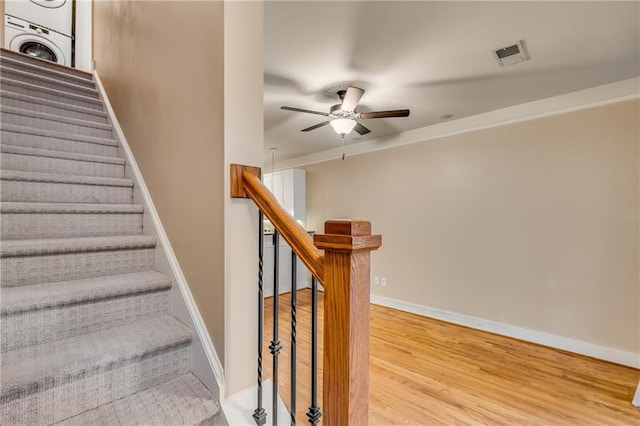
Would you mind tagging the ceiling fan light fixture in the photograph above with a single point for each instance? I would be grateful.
(342, 116)
(343, 126)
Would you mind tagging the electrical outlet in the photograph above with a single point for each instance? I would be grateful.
(383, 282)
(376, 281)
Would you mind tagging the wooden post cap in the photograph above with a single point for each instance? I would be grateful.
(347, 227)
(347, 235)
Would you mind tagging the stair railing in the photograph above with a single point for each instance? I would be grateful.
(340, 260)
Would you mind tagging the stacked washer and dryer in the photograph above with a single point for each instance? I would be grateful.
(40, 28)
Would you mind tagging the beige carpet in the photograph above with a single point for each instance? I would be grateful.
(86, 334)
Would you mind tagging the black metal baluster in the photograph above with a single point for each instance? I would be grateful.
(314, 413)
(259, 414)
(275, 345)
(294, 285)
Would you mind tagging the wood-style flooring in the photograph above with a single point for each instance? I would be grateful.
(428, 372)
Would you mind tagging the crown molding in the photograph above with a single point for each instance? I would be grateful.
(619, 91)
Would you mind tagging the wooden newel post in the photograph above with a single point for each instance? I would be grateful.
(347, 245)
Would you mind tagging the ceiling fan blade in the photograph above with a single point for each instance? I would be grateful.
(384, 114)
(286, 108)
(351, 98)
(308, 129)
(361, 129)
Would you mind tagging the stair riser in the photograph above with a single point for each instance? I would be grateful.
(71, 398)
(27, 270)
(48, 109)
(56, 126)
(13, 67)
(30, 163)
(51, 192)
(17, 226)
(35, 327)
(56, 85)
(46, 94)
(45, 142)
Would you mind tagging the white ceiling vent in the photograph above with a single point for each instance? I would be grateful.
(511, 55)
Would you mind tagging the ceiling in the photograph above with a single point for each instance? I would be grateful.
(434, 58)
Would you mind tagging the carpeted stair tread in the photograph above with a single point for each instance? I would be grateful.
(48, 153)
(47, 81)
(53, 117)
(28, 59)
(32, 220)
(55, 122)
(36, 368)
(16, 175)
(59, 105)
(43, 186)
(38, 138)
(180, 401)
(57, 135)
(66, 293)
(19, 248)
(74, 208)
(8, 62)
(8, 82)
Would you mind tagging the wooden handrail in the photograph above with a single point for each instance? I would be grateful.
(343, 266)
(293, 233)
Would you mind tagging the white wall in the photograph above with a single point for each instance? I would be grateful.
(2, 32)
(533, 224)
(84, 35)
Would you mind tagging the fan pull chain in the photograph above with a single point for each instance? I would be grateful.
(342, 147)
(273, 160)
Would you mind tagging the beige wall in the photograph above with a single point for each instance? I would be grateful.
(2, 32)
(533, 224)
(162, 65)
(243, 128)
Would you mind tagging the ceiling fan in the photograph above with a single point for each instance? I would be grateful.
(344, 115)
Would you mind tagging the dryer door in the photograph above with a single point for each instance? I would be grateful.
(51, 4)
(39, 47)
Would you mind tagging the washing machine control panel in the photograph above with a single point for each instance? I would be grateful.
(36, 29)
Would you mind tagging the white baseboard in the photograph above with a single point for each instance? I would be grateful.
(178, 276)
(559, 342)
(636, 398)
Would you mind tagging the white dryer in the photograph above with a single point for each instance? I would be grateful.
(55, 15)
(34, 40)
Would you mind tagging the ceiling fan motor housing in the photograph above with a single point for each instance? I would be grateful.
(337, 112)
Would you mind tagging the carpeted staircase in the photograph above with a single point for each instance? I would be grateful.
(86, 334)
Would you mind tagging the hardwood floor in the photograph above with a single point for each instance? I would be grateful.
(427, 372)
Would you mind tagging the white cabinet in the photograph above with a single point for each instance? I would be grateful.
(278, 187)
(289, 188)
(267, 179)
(303, 277)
